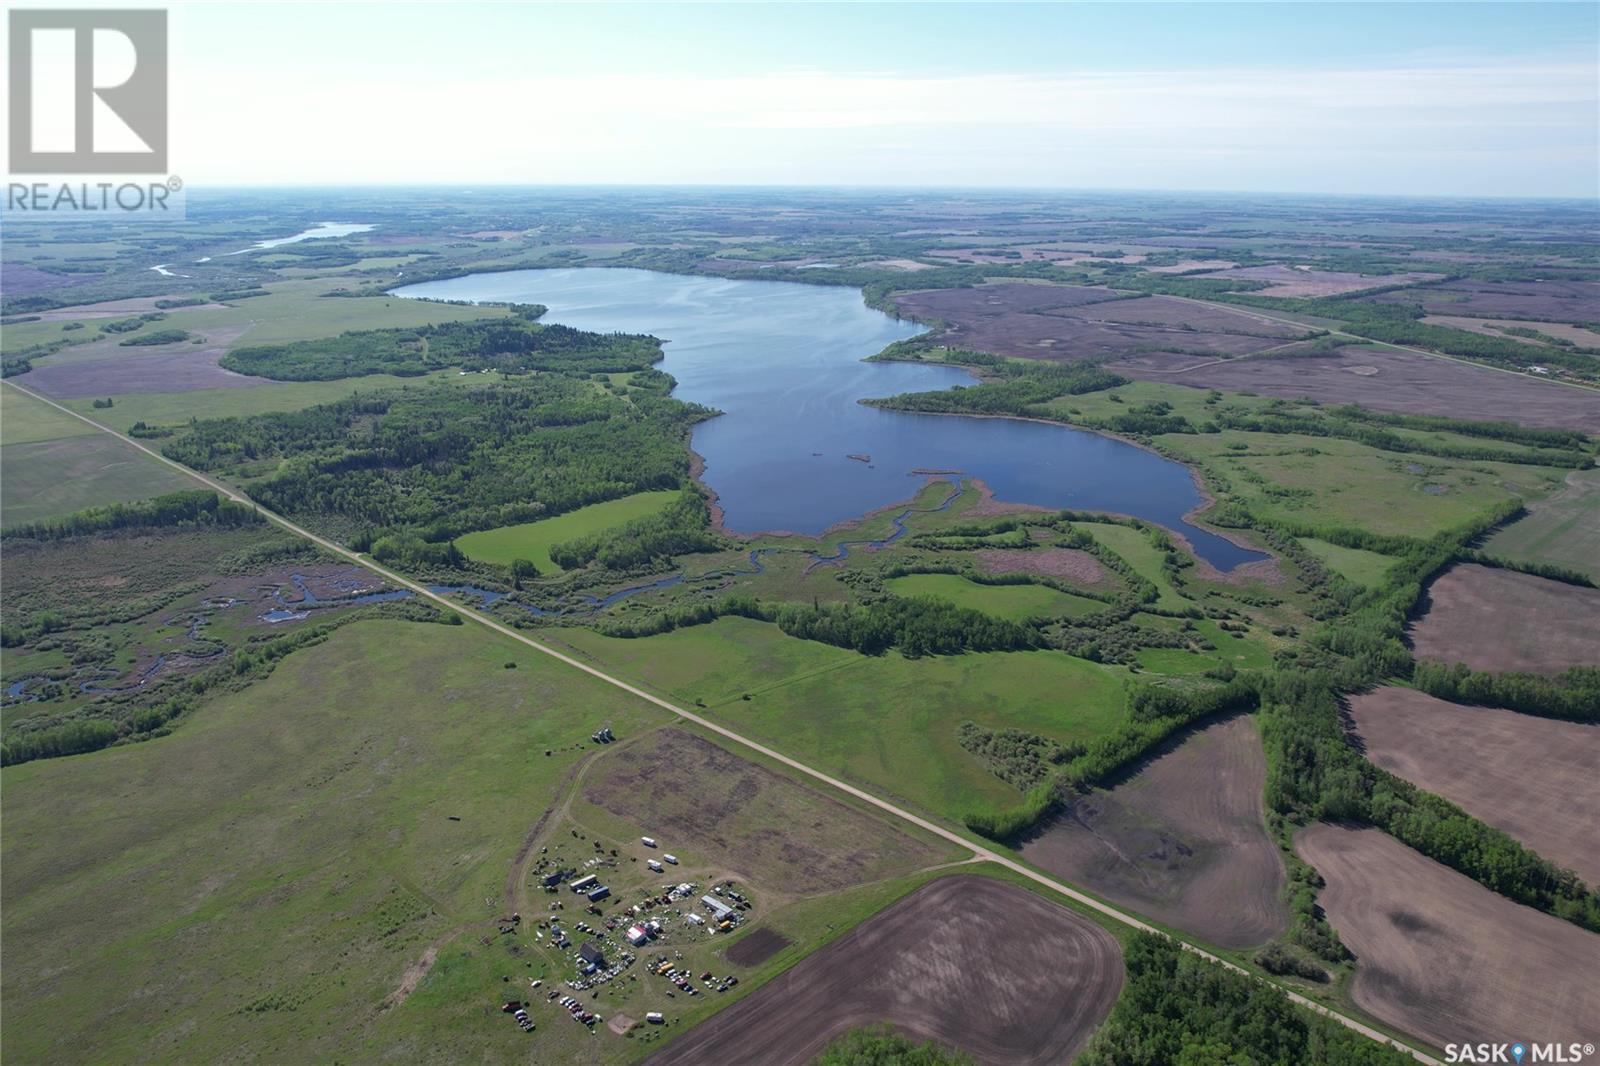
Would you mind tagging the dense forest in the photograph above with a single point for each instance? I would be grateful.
(514, 344)
(681, 528)
(200, 507)
(1178, 1009)
(432, 463)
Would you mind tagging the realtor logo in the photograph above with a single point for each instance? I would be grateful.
(88, 92)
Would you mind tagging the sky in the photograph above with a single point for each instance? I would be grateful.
(1415, 99)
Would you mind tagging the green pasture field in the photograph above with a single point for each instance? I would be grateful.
(1016, 602)
(1329, 483)
(25, 420)
(177, 408)
(885, 722)
(532, 540)
(299, 310)
(1240, 652)
(48, 478)
(1563, 529)
(1355, 564)
(262, 878)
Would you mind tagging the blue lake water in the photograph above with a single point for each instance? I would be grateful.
(783, 361)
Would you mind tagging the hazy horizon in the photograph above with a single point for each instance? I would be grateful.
(1454, 100)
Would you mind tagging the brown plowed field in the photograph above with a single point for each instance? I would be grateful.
(1536, 778)
(744, 817)
(1442, 957)
(1500, 620)
(1288, 281)
(1066, 322)
(758, 947)
(1556, 301)
(1402, 381)
(978, 964)
(1184, 840)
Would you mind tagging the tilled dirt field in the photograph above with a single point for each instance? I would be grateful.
(1536, 778)
(1386, 380)
(1065, 322)
(1557, 301)
(1500, 620)
(1183, 840)
(757, 948)
(1290, 281)
(773, 831)
(1442, 957)
(978, 964)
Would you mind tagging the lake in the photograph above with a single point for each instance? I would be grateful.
(783, 361)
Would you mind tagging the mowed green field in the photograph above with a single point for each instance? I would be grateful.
(1354, 564)
(55, 469)
(255, 885)
(25, 420)
(1563, 529)
(177, 408)
(532, 540)
(1016, 602)
(881, 721)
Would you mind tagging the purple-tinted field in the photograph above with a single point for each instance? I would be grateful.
(1062, 322)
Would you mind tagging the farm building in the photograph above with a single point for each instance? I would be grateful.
(598, 893)
(592, 953)
(583, 883)
(719, 910)
(637, 935)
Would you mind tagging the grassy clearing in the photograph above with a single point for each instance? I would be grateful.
(1232, 649)
(1135, 547)
(177, 408)
(25, 420)
(48, 478)
(887, 722)
(1564, 529)
(1355, 564)
(1339, 484)
(532, 540)
(1014, 602)
(298, 310)
(261, 879)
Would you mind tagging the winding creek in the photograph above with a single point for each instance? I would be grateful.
(794, 449)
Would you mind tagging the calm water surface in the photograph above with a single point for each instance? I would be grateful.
(783, 361)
